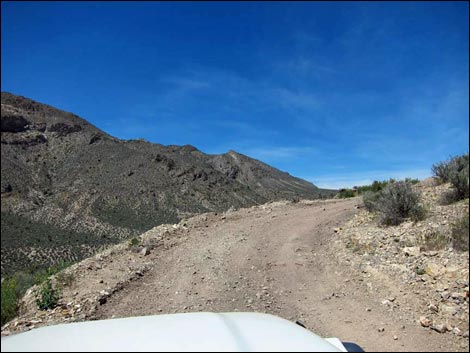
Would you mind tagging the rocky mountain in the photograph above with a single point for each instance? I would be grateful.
(69, 188)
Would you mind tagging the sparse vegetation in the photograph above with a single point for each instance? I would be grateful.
(14, 287)
(51, 244)
(393, 200)
(375, 187)
(134, 242)
(48, 296)
(455, 171)
(459, 233)
(346, 193)
(419, 271)
(42, 275)
(434, 241)
(358, 247)
(9, 300)
(399, 201)
(371, 189)
(370, 198)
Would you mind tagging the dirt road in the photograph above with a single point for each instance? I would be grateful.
(276, 259)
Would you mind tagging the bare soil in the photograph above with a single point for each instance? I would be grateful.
(279, 259)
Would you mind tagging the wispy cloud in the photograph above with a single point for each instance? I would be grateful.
(225, 99)
(292, 100)
(280, 152)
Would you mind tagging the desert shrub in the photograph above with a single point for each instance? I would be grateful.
(42, 275)
(418, 213)
(48, 296)
(459, 233)
(345, 193)
(412, 181)
(441, 171)
(9, 300)
(449, 197)
(134, 242)
(399, 201)
(419, 271)
(459, 177)
(455, 171)
(376, 186)
(369, 199)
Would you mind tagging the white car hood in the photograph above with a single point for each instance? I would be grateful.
(235, 332)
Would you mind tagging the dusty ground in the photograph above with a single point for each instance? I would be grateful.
(278, 258)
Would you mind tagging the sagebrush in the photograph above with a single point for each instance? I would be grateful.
(455, 171)
(370, 198)
(399, 201)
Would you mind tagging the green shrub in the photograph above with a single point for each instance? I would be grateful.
(9, 300)
(48, 296)
(134, 242)
(369, 199)
(459, 234)
(345, 193)
(412, 181)
(41, 275)
(419, 271)
(459, 177)
(399, 201)
(455, 171)
(441, 171)
(376, 186)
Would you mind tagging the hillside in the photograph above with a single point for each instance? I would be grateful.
(325, 263)
(68, 188)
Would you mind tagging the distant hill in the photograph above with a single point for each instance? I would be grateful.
(69, 188)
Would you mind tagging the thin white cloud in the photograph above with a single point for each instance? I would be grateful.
(280, 152)
(304, 101)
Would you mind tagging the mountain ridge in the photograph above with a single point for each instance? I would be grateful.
(61, 171)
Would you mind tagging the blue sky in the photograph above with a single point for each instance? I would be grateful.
(339, 94)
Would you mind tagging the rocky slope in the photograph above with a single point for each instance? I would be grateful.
(69, 189)
(425, 275)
